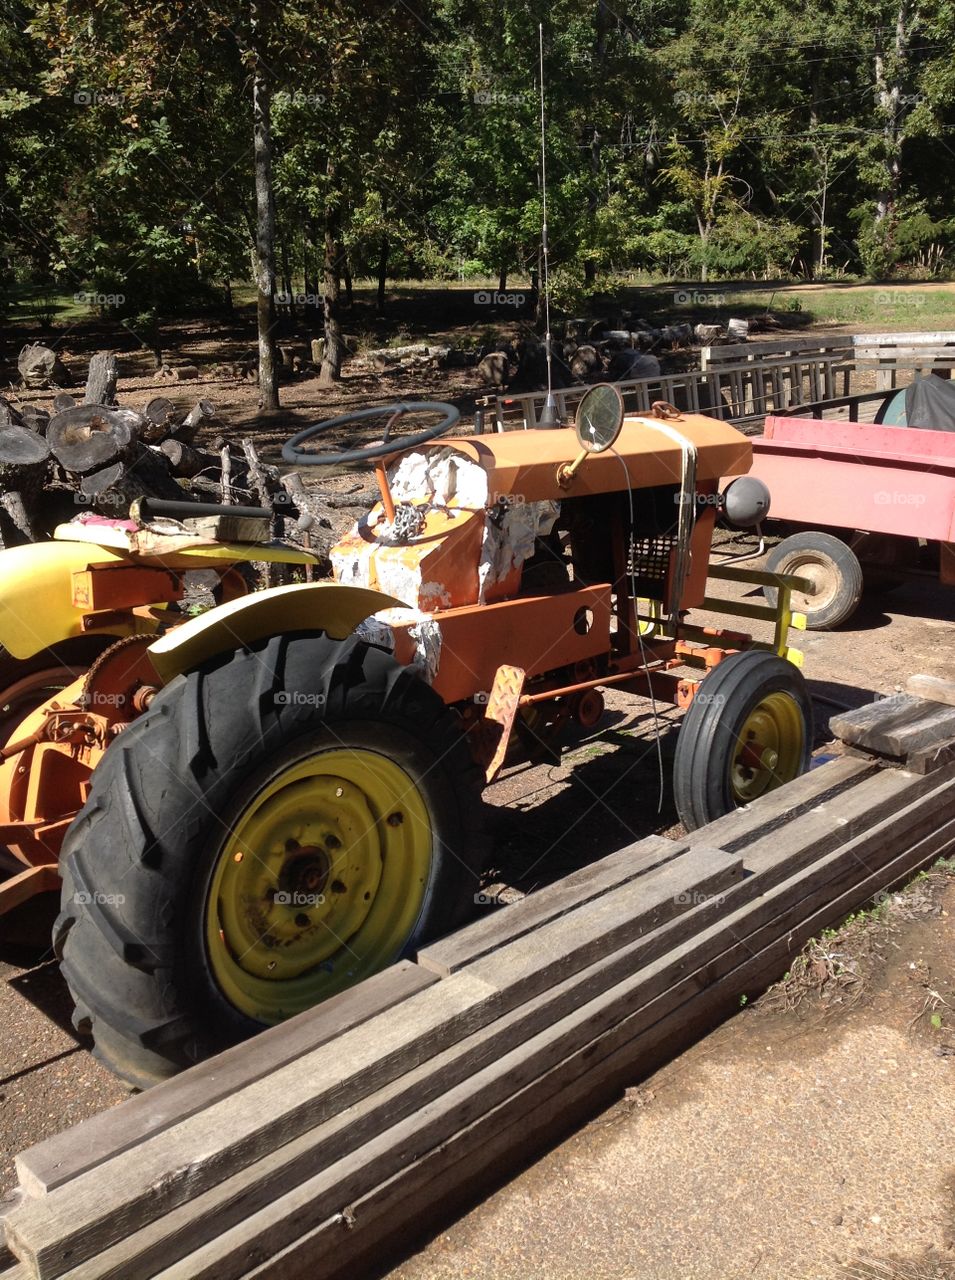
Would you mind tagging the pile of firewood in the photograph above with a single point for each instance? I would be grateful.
(96, 455)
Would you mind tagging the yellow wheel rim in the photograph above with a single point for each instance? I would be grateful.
(769, 749)
(319, 884)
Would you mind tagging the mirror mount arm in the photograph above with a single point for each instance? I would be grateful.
(567, 470)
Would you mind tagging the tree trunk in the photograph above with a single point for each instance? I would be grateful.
(889, 73)
(89, 437)
(264, 211)
(502, 279)
(23, 459)
(287, 287)
(101, 379)
(311, 309)
(40, 367)
(188, 461)
(334, 342)
(346, 271)
(382, 274)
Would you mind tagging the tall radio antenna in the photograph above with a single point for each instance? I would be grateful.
(549, 415)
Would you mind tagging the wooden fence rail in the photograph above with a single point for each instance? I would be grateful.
(743, 382)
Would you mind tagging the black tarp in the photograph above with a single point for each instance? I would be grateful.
(930, 403)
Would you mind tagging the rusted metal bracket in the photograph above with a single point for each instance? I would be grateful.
(493, 732)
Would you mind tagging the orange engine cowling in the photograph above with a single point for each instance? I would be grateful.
(48, 758)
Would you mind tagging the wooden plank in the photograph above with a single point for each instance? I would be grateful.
(453, 1173)
(928, 759)
(781, 808)
(520, 962)
(896, 726)
(937, 337)
(66, 1155)
(505, 924)
(676, 977)
(168, 1168)
(230, 1203)
(80, 1220)
(933, 688)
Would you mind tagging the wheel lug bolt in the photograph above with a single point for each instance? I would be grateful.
(338, 887)
(395, 819)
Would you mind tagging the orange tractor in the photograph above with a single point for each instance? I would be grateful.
(253, 808)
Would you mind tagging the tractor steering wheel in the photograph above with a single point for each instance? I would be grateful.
(383, 448)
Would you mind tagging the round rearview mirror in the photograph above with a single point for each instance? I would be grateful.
(599, 418)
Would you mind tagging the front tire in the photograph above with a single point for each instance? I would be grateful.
(747, 731)
(280, 824)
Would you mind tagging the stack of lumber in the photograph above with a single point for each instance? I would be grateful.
(312, 1150)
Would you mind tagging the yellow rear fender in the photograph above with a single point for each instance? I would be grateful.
(315, 606)
(36, 596)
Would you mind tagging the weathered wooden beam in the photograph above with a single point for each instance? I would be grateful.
(66, 1155)
(98, 1208)
(896, 726)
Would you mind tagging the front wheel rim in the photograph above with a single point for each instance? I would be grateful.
(320, 882)
(769, 747)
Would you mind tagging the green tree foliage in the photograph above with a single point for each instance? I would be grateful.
(758, 138)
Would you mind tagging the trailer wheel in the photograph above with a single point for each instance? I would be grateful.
(281, 823)
(748, 730)
(831, 566)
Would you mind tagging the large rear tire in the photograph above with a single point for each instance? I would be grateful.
(748, 730)
(280, 824)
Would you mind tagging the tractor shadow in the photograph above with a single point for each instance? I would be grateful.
(548, 820)
(25, 948)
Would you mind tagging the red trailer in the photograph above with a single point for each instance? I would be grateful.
(859, 502)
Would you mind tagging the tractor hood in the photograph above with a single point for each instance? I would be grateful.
(525, 462)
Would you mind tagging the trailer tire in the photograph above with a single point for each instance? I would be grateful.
(753, 701)
(833, 567)
(299, 770)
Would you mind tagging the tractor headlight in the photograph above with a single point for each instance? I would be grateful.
(745, 502)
